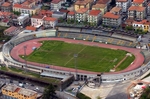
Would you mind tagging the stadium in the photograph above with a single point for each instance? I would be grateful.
(24, 44)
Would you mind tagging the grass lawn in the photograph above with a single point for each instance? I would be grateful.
(89, 58)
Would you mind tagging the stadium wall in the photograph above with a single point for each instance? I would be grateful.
(7, 47)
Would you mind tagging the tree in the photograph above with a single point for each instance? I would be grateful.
(49, 92)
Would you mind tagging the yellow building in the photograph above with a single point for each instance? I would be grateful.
(15, 92)
(81, 4)
(102, 7)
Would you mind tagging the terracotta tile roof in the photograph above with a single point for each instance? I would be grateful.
(26, 3)
(17, 5)
(110, 15)
(63, 10)
(71, 13)
(31, 28)
(12, 28)
(94, 12)
(82, 10)
(121, 0)
(6, 4)
(50, 19)
(45, 13)
(136, 8)
(138, 1)
(115, 9)
(103, 1)
(144, 22)
(99, 6)
(81, 2)
(149, 4)
(37, 17)
(55, 1)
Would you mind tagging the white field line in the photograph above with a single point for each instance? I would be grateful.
(73, 57)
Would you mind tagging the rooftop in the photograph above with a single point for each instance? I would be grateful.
(102, 1)
(136, 8)
(121, 0)
(82, 10)
(99, 6)
(115, 9)
(37, 17)
(50, 19)
(12, 28)
(6, 4)
(55, 1)
(81, 2)
(138, 1)
(111, 15)
(94, 12)
(31, 28)
(71, 13)
(23, 91)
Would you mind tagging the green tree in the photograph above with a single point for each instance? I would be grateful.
(129, 28)
(49, 92)
(61, 20)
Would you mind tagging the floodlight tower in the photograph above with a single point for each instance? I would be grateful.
(75, 62)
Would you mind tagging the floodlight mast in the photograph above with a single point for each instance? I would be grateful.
(75, 62)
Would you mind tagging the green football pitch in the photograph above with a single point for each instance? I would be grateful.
(90, 58)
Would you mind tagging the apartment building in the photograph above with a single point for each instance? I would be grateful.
(124, 4)
(81, 14)
(37, 21)
(110, 19)
(28, 7)
(49, 22)
(6, 7)
(56, 4)
(142, 25)
(81, 4)
(148, 9)
(15, 92)
(71, 15)
(137, 12)
(94, 17)
(101, 7)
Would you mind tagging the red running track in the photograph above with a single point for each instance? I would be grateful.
(19, 50)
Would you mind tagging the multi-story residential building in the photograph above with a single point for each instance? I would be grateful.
(94, 17)
(15, 92)
(26, 8)
(124, 4)
(71, 15)
(102, 7)
(23, 20)
(81, 4)
(148, 9)
(116, 10)
(81, 15)
(110, 19)
(1, 2)
(58, 14)
(37, 21)
(137, 12)
(139, 3)
(142, 25)
(49, 22)
(56, 4)
(6, 7)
